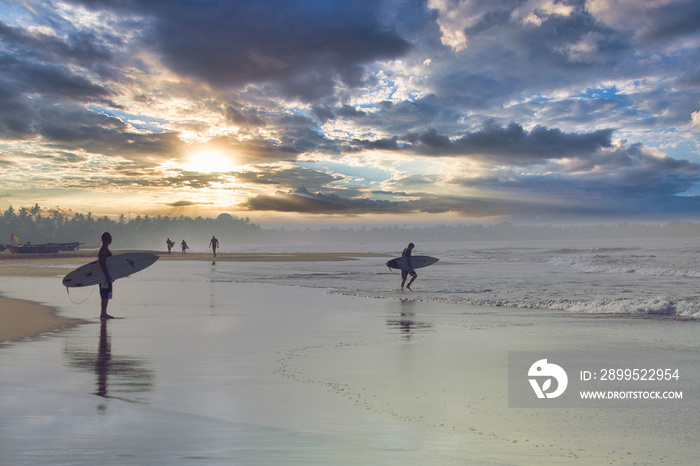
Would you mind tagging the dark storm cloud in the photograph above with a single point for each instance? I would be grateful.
(511, 144)
(303, 47)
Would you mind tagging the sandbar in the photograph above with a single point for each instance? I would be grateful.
(24, 319)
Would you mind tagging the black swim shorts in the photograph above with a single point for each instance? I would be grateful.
(106, 290)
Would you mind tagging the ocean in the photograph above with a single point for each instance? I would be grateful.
(628, 277)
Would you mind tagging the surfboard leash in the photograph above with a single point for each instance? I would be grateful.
(81, 302)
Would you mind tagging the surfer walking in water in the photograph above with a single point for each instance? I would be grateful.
(106, 287)
(405, 273)
(214, 243)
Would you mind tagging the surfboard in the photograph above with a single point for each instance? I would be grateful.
(119, 266)
(418, 261)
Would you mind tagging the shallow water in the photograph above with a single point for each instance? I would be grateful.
(626, 276)
(204, 369)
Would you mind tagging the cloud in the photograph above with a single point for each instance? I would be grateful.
(695, 120)
(303, 201)
(301, 48)
(623, 179)
(498, 144)
(296, 177)
(514, 144)
(651, 20)
(360, 107)
(182, 204)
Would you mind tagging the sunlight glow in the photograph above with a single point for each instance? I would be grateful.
(209, 162)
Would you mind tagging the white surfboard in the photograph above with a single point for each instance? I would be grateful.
(119, 266)
(418, 261)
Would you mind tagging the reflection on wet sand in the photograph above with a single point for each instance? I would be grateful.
(120, 377)
(406, 324)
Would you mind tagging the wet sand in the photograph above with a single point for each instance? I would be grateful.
(210, 371)
(23, 319)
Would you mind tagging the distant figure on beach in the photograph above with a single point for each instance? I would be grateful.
(214, 243)
(405, 273)
(106, 287)
(170, 245)
(185, 247)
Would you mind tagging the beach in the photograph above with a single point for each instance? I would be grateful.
(223, 362)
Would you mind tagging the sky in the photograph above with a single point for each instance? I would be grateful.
(317, 112)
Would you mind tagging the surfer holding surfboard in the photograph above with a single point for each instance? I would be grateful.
(406, 272)
(105, 287)
(106, 269)
(408, 262)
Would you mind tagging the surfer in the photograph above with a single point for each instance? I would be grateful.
(214, 243)
(185, 247)
(106, 287)
(405, 273)
(170, 245)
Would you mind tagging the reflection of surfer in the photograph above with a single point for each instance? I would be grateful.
(405, 273)
(102, 362)
(170, 245)
(106, 287)
(214, 243)
(185, 247)
(127, 375)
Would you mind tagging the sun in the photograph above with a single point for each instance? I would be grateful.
(208, 162)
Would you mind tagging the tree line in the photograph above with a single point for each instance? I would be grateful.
(37, 225)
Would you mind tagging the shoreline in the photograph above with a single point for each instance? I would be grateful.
(24, 319)
(89, 255)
